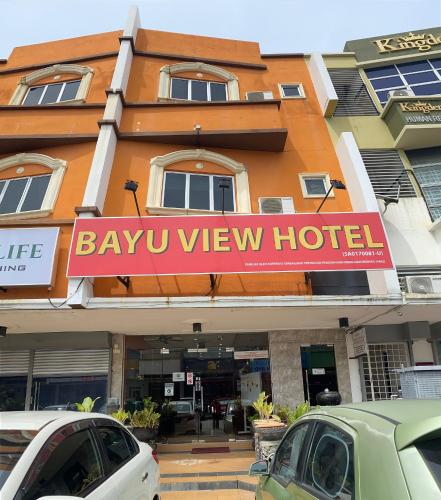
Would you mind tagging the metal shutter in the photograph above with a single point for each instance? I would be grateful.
(14, 362)
(385, 169)
(353, 97)
(72, 362)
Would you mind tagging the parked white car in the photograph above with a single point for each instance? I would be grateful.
(70, 455)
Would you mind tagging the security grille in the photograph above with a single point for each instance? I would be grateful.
(14, 362)
(386, 172)
(90, 361)
(385, 360)
(353, 97)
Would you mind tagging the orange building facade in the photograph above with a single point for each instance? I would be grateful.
(177, 114)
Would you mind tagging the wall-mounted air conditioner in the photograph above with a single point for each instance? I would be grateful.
(401, 93)
(424, 284)
(283, 205)
(259, 96)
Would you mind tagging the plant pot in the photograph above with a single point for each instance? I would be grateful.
(268, 430)
(143, 434)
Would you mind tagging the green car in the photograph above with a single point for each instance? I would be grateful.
(382, 450)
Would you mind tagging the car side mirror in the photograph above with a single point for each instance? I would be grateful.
(259, 468)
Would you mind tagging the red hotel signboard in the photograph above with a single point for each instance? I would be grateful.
(137, 246)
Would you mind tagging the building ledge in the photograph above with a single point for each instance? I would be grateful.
(14, 143)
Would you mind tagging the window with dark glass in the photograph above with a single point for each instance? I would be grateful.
(291, 90)
(315, 186)
(417, 78)
(66, 466)
(52, 93)
(330, 464)
(197, 90)
(198, 191)
(287, 462)
(117, 446)
(23, 194)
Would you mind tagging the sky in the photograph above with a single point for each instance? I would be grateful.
(278, 25)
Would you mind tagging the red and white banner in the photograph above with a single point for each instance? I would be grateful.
(141, 246)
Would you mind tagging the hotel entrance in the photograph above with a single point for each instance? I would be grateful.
(203, 385)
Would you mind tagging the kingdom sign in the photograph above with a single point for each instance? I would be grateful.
(422, 42)
(136, 246)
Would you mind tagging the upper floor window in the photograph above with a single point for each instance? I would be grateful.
(198, 191)
(418, 77)
(315, 185)
(23, 194)
(291, 90)
(198, 90)
(32, 195)
(52, 93)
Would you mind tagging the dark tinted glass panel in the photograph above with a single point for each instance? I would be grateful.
(174, 192)
(12, 445)
(291, 90)
(33, 96)
(425, 76)
(218, 92)
(116, 447)
(179, 88)
(384, 83)
(384, 71)
(70, 91)
(198, 91)
(429, 89)
(35, 194)
(436, 63)
(12, 197)
(69, 467)
(52, 93)
(431, 452)
(414, 66)
(228, 197)
(315, 186)
(200, 192)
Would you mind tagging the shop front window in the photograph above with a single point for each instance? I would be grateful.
(12, 393)
(204, 388)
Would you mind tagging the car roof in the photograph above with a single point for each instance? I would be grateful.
(409, 419)
(36, 420)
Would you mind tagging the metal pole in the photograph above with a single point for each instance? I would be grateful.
(324, 199)
(223, 200)
(371, 383)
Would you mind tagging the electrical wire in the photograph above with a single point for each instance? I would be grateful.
(67, 298)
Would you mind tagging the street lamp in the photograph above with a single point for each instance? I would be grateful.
(224, 184)
(133, 186)
(334, 183)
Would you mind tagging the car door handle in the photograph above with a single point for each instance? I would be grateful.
(145, 476)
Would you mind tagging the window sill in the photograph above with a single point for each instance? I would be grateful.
(183, 211)
(33, 214)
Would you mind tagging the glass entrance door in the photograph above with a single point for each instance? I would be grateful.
(318, 369)
(198, 383)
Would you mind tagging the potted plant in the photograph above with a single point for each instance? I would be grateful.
(268, 429)
(87, 404)
(145, 422)
(121, 415)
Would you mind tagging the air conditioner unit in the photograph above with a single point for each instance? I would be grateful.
(259, 96)
(400, 93)
(276, 205)
(424, 284)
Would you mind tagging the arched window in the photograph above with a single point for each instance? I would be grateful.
(182, 191)
(30, 92)
(223, 87)
(31, 189)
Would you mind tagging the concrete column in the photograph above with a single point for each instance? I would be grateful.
(354, 371)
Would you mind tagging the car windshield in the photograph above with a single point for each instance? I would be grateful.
(12, 445)
(431, 452)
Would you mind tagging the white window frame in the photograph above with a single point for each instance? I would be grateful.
(187, 190)
(25, 191)
(326, 182)
(402, 76)
(158, 164)
(189, 91)
(46, 86)
(85, 72)
(298, 84)
(58, 168)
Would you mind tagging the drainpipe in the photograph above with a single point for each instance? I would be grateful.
(81, 291)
